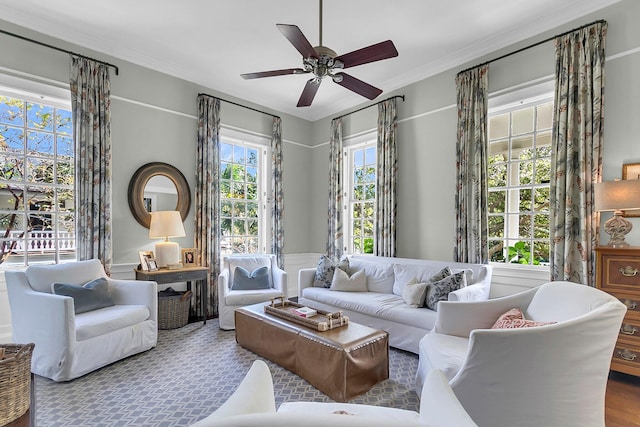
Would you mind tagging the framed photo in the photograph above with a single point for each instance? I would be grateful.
(152, 264)
(189, 257)
(145, 260)
(631, 171)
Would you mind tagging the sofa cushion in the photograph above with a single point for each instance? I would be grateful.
(404, 273)
(444, 352)
(252, 296)
(439, 291)
(325, 269)
(385, 306)
(379, 276)
(342, 282)
(41, 277)
(414, 293)
(104, 320)
(257, 279)
(90, 296)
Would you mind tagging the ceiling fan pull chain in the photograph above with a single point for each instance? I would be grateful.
(320, 44)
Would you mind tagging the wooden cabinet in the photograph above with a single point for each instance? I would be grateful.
(618, 273)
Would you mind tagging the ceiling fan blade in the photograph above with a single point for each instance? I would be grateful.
(298, 40)
(309, 92)
(273, 73)
(357, 85)
(375, 52)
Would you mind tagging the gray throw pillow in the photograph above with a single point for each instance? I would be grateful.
(439, 291)
(245, 281)
(325, 270)
(91, 296)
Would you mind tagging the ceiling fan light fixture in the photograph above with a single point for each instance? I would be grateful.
(322, 61)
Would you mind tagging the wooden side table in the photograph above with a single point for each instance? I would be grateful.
(164, 276)
(618, 273)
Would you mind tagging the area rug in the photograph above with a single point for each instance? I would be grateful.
(190, 373)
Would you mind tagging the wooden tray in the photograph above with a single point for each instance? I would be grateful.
(323, 321)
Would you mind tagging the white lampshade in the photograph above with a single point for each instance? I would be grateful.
(617, 196)
(165, 224)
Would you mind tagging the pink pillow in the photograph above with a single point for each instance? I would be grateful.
(514, 318)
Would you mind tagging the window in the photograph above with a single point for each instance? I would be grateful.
(37, 221)
(518, 181)
(360, 196)
(244, 220)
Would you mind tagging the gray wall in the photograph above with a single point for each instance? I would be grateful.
(153, 119)
(427, 133)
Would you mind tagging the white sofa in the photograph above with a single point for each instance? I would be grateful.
(542, 375)
(380, 307)
(253, 404)
(69, 345)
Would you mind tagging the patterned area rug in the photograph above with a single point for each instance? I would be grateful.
(191, 372)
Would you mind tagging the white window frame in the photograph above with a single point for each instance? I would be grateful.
(263, 145)
(53, 94)
(513, 100)
(351, 145)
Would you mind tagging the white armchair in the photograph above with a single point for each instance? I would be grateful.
(552, 375)
(253, 404)
(230, 298)
(69, 345)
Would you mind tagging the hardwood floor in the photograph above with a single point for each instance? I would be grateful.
(622, 404)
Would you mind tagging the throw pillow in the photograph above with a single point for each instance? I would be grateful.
(445, 272)
(90, 296)
(325, 270)
(245, 281)
(514, 319)
(439, 290)
(342, 282)
(414, 293)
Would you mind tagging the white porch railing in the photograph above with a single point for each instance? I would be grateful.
(43, 241)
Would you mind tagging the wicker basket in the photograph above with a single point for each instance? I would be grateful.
(173, 309)
(15, 381)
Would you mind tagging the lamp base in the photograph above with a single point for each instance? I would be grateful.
(617, 227)
(167, 253)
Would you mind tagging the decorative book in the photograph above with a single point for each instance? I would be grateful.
(305, 312)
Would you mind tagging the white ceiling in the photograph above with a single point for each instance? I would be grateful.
(212, 42)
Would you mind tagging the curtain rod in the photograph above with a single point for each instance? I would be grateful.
(364, 108)
(59, 49)
(240, 105)
(533, 45)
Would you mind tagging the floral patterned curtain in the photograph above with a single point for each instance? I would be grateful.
(471, 167)
(277, 208)
(577, 152)
(91, 114)
(207, 221)
(335, 238)
(387, 165)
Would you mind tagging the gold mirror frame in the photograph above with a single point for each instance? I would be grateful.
(139, 181)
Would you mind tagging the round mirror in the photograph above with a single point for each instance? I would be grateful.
(158, 187)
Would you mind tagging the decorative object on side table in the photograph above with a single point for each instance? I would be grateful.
(189, 257)
(631, 171)
(166, 224)
(617, 196)
(145, 257)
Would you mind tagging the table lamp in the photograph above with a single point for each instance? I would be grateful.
(617, 196)
(165, 224)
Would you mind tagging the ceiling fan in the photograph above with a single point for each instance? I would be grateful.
(323, 62)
